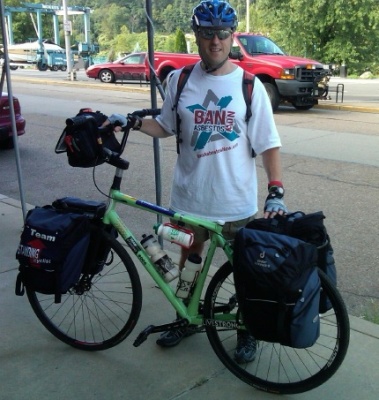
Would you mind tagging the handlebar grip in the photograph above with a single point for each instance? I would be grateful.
(147, 112)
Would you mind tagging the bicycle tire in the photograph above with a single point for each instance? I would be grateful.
(276, 368)
(101, 314)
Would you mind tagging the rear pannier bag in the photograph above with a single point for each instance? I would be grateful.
(52, 251)
(98, 254)
(277, 287)
(311, 229)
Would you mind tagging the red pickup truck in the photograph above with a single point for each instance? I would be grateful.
(286, 78)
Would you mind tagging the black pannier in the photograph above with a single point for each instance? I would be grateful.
(277, 287)
(57, 245)
(311, 229)
(52, 250)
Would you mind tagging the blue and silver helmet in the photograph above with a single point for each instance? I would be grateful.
(214, 14)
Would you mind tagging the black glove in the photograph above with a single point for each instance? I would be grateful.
(274, 201)
(134, 122)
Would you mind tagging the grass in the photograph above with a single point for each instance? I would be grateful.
(371, 311)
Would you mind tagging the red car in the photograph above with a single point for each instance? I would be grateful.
(6, 140)
(131, 67)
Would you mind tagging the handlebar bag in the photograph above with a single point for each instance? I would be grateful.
(83, 142)
(52, 251)
(277, 287)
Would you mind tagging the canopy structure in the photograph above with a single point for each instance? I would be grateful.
(6, 79)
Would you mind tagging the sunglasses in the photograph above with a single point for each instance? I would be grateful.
(209, 34)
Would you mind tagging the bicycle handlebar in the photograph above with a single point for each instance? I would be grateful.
(147, 112)
(114, 159)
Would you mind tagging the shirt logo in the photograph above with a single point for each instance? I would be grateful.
(213, 121)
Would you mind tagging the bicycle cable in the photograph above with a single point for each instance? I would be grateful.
(95, 183)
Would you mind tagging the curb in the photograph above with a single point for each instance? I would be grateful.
(86, 84)
(345, 107)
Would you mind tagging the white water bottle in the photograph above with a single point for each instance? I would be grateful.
(175, 234)
(189, 276)
(164, 264)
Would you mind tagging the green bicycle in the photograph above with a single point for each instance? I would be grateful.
(103, 308)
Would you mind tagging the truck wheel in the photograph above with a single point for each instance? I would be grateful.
(273, 94)
(106, 76)
(63, 67)
(42, 66)
(55, 68)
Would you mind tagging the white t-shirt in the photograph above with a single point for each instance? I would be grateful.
(215, 174)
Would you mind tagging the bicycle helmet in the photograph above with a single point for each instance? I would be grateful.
(214, 14)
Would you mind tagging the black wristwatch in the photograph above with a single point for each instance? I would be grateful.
(138, 124)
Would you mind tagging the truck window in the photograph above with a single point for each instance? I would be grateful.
(260, 45)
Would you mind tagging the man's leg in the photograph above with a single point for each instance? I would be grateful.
(172, 338)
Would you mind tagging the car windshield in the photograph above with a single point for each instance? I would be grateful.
(260, 45)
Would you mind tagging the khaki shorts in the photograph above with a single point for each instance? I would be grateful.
(229, 230)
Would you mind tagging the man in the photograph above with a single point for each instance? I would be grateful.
(215, 174)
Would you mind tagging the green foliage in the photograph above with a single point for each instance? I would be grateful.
(180, 42)
(329, 31)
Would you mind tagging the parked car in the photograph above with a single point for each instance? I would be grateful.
(6, 139)
(130, 67)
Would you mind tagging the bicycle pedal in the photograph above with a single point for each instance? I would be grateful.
(143, 335)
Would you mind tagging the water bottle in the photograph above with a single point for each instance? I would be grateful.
(175, 234)
(188, 276)
(164, 264)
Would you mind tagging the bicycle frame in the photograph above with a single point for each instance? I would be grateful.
(190, 312)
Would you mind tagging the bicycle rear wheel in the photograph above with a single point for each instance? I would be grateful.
(276, 368)
(102, 309)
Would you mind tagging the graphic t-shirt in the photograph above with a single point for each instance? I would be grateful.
(215, 174)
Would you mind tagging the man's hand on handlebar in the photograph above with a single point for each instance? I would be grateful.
(134, 122)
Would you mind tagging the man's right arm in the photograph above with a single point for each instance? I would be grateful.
(149, 126)
(152, 128)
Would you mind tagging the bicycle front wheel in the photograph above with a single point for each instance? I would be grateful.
(276, 368)
(102, 309)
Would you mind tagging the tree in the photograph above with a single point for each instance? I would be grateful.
(180, 42)
(331, 31)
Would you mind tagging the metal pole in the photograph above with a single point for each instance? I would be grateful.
(153, 95)
(247, 16)
(5, 68)
(67, 33)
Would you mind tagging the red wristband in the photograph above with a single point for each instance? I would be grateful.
(275, 183)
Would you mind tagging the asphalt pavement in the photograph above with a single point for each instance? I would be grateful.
(35, 365)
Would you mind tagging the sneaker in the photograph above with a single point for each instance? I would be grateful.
(246, 348)
(172, 338)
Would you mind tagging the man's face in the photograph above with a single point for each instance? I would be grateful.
(214, 45)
